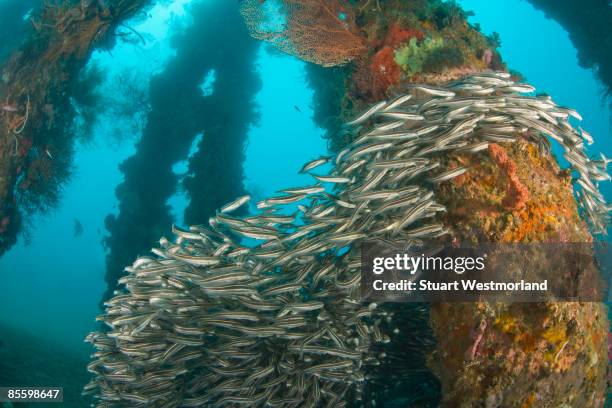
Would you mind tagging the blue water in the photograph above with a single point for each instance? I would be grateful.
(53, 281)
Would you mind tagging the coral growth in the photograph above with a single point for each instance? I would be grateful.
(477, 202)
(517, 194)
(521, 355)
(412, 56)
(487, 56)
(373, 77)
(318, 31)
(529, 353)
(397, 35)
(385, 72)
(443, 59)
(432, 42)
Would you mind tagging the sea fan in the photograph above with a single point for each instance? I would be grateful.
(318, 31)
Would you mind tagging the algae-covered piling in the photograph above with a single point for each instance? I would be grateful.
(36, 139)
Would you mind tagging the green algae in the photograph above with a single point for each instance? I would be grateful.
(413, 56)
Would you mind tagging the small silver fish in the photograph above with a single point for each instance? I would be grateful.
(234, 205)
(400, 100)
(9, 108)
(448, 175)
(587, 136)
(435, 91)
(367, 114)
(314, 163)
(394, 114)
(333, 179)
